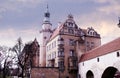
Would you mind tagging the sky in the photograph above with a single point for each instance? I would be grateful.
(24, 18)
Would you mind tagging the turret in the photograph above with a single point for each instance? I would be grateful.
(46, 22)
(45, 34)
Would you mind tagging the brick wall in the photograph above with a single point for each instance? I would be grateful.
(44, 72)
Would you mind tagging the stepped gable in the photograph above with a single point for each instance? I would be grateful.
(102, 50)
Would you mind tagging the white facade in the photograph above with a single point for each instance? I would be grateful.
(45, 34)
(99, 64)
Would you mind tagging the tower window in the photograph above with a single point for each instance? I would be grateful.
(45, 37)
(118, 54)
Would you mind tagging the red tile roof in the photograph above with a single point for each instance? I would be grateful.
(56, 32)
(102, 50)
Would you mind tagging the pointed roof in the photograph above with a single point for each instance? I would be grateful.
(102, 50)
(35, 40)
(56, 32)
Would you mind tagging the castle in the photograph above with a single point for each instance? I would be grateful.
(69, 48)
(63, 46)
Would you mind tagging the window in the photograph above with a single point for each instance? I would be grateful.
(55, 44)
(52, 45)
(71, 31)
(49, 57)
(45, 37)
(61, 65)
(92, 44)
(83, 63)
(55, 54)
(70, 24)
(88, 44)
(52, 55)
(60, 53)
(74, 63)
(47, 48)
(71, 42)
(118, 54)
(98, 60)
(71, 52)
(91, 33)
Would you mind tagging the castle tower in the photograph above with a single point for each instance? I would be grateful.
(45, 34)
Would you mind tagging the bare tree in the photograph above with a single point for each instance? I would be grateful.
(18, 50)
(5, 60)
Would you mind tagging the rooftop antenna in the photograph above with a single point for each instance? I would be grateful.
(119, 22)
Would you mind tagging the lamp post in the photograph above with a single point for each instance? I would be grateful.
(119, 22)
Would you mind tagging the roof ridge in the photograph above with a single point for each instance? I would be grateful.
(102, 50)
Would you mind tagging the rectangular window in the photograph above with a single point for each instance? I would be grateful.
(60, 53)
(72, 53)
(74, 63)
(118, 54)
(52, 45)
(71, 42)
(92, 44)
(71, 31)
(55, 44)
(88, 44)
(61, 64)
(98, 60)
(47, 48)
(55, 54)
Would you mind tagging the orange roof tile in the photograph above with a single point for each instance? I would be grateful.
(56, 32)
(102, 50)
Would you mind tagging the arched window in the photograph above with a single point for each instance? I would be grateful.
(89, 74)
(109, 72)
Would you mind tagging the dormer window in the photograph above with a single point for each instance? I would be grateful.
(91, 32)
(70, 24)
(71, 31)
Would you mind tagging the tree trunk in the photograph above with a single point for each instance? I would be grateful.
(4, 73)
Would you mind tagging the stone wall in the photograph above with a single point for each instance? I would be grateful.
(44, 72)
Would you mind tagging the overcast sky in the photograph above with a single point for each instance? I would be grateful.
(23, 18)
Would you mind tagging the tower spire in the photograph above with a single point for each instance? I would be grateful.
(47, 15)
(46, 22)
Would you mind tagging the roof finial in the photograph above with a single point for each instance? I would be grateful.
(70, 16)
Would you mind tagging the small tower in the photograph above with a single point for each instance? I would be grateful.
(45, 34)
(46, 22)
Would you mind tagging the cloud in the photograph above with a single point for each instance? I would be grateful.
(108, 6)
(105, 25)
(112, 8)
(9, 36)
(18, 5)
